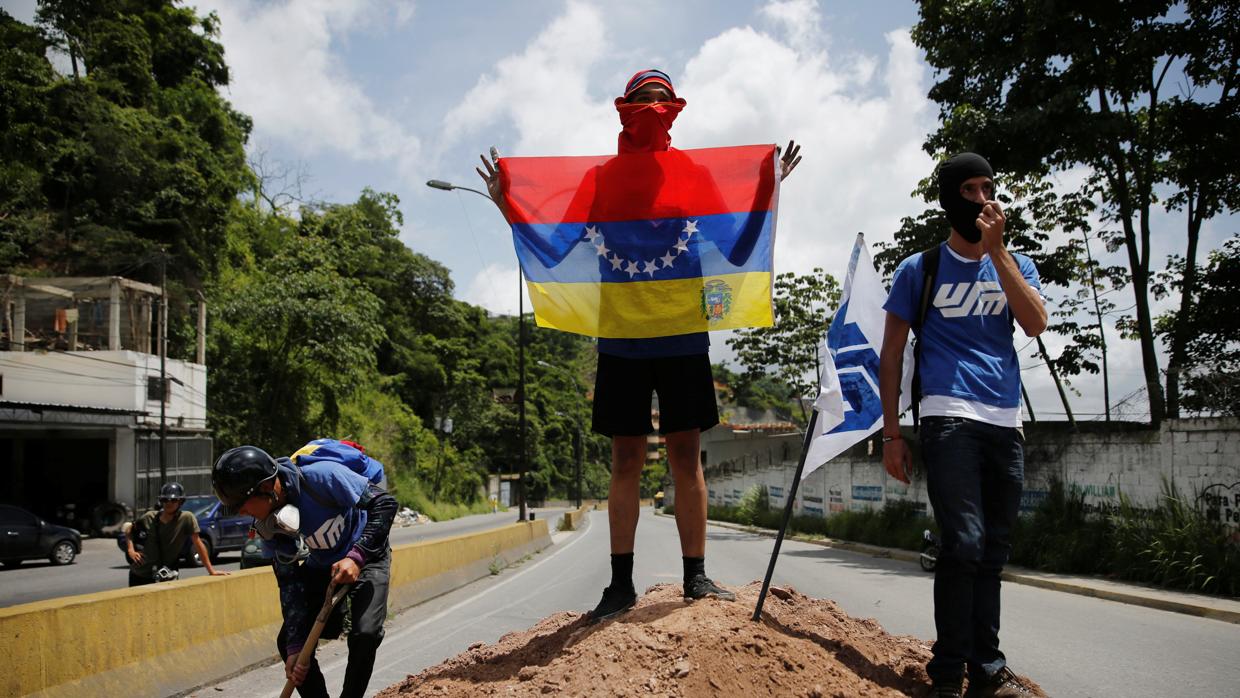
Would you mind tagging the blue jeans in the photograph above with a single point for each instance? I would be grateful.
(974, 475)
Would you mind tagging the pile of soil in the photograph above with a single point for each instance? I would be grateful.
(668, 647)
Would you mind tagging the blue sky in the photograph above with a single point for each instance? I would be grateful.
(390, 94)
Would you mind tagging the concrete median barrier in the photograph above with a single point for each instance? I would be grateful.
(164, 639)
(573, 520)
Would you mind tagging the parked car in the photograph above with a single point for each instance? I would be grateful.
(219, 533)
(24, 536)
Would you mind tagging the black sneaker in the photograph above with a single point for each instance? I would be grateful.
(1003, 684)
(700, 587)
(615, 601)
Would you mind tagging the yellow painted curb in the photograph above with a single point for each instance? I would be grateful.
(168, 638)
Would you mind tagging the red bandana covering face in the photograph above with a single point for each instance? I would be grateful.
(645, 127)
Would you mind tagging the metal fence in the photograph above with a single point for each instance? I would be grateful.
(188, 462)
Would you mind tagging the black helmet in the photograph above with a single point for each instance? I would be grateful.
(171, 491)
(238, 473)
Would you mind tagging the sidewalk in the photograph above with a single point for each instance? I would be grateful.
(1215, 607)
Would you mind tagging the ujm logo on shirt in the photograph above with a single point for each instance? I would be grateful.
(328, 534)
(970, 298)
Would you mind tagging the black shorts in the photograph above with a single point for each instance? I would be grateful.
(622, 390)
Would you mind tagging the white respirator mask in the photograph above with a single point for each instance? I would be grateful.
(284, 520)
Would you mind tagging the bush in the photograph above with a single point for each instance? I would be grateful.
(1173, 544)
(1060, 535)
(408, 490)
(754, 504)
(899, 524)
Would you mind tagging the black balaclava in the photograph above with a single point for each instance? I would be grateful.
(961, 212)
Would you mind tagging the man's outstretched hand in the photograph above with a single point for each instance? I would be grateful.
(491, 177)
(789, 160)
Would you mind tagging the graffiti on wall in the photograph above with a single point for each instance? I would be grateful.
(835, 499)
(867, 493)
(1103, 491)
(775, 494)
(1030, 499)
(1221, 502)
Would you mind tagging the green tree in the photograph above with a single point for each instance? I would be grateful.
(25, 75)
(293, 339)
(759, 391)
(1042, 89)
(1210, 371)
(789, 347)
(135, 152)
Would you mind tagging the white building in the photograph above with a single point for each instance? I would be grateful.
(80, 399)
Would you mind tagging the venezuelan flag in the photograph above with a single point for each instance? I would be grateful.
(646, 244)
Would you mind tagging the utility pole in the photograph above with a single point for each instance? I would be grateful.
(521, 391)
(163, 368)
(1102, 334)
(580, 448)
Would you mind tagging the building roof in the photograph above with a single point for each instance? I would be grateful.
(52, 407)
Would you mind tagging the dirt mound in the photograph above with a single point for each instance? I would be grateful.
(667, 647)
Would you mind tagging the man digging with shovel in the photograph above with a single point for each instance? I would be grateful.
(344, 520)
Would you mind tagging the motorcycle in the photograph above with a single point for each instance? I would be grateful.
(929, 550)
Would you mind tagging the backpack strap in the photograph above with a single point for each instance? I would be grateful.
(929, 272)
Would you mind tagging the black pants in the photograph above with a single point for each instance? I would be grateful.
(137, 581)
(368, 610)
(974, 476)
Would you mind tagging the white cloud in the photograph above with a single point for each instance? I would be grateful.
(542, 91)
(860, 130)
(494, 288)
(799, 19)
(287, 75)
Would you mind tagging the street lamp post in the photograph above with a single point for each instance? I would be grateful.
(448, 186)
(579, 442)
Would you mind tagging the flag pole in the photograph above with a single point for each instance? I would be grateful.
(792, 496)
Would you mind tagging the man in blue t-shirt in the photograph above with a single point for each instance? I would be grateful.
(971, 435)
(344, 520)
(676, 368)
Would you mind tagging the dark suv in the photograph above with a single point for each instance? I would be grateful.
(24, 536)
(219, 532)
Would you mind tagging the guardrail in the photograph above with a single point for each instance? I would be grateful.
(168, 638)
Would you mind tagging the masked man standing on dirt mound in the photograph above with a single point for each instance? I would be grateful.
(677, 368)
(962, 299)
(344, 519)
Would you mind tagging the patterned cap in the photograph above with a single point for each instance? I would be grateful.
(647, 76)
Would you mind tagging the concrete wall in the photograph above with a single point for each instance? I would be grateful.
(165, 639)
(1200, 456)
(112, 379)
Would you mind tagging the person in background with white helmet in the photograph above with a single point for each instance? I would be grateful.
(344, 519)
(166, 530)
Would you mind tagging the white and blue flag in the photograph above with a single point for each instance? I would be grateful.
(848, 404)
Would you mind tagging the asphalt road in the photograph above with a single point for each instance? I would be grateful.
(101, 564)
(1073, 645)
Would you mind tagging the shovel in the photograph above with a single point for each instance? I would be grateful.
(312, 641)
